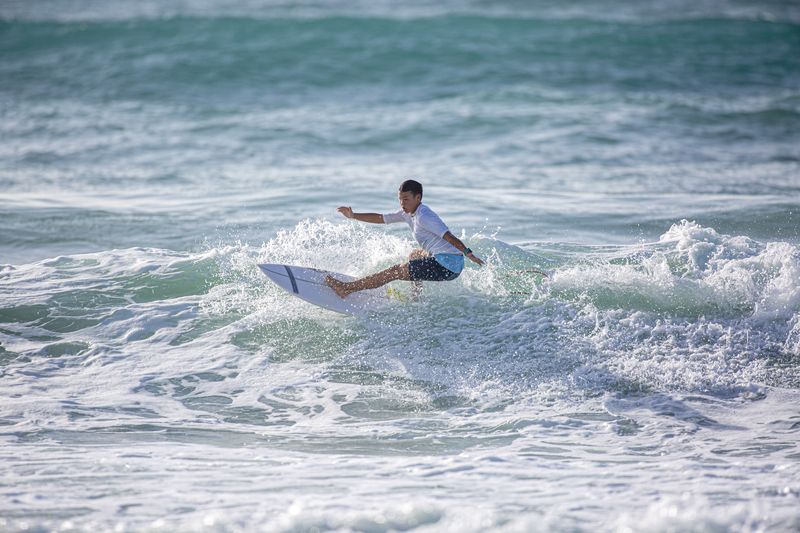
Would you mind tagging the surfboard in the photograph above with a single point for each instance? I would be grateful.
(309, 284)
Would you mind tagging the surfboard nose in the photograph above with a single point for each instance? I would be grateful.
(309, 284)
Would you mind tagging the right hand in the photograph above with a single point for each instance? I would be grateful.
(346, 211)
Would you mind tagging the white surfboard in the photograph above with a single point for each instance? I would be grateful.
(309, 284)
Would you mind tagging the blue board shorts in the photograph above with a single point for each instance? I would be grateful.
(429, 269)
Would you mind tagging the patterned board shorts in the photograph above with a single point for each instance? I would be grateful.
(429, 269)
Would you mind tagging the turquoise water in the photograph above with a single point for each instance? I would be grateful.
(647, 156)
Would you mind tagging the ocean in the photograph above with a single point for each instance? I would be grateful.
(645, 154)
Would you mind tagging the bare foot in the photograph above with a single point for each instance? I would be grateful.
(339, 287)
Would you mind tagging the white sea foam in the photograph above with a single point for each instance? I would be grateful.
(187, 383)
(151, 378)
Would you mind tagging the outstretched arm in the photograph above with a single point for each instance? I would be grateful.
(373, 218)
(455, 241)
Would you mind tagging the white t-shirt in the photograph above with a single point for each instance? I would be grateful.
(427, 228)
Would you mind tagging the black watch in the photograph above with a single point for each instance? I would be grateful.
(467, 251)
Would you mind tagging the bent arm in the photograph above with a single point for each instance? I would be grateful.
(373, 218)
(455, 241)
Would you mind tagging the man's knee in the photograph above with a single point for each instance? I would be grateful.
(401, 272)
(404, 272)
(417, 254)
(392, 273)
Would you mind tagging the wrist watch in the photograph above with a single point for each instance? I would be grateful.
(467, 251)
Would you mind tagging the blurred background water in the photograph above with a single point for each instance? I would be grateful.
(646, 154)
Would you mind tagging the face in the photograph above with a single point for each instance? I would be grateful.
(409, 201)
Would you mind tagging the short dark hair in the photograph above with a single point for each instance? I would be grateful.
(412, 186)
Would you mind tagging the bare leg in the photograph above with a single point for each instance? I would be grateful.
(344, 288)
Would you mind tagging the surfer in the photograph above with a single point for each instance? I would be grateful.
(441, 257)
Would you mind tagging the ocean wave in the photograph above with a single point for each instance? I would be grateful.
(168, 368)
(193, 56)
(92, 10)
(695, 311)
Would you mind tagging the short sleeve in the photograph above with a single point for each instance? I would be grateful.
(392, 218)
(431, 222)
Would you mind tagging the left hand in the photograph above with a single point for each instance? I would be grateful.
(346, 211)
